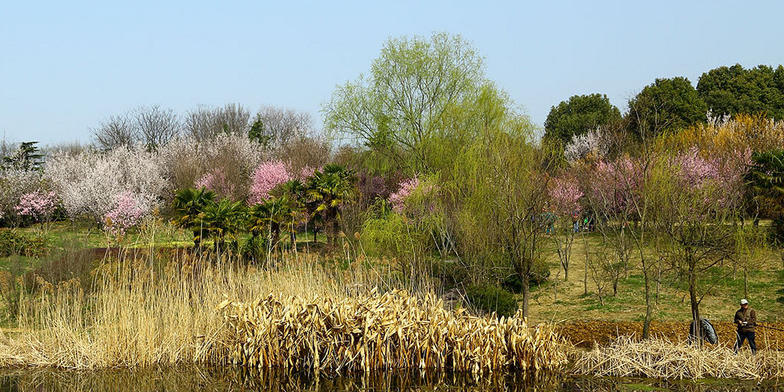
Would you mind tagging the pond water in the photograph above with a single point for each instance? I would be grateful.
(233, 379)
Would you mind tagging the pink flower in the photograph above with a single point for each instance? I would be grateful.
(39, 205)
(614, 185)
(266, 177)
(217, 182)
(128, 212)
(565, 194)
(307, 172)
(405, 190)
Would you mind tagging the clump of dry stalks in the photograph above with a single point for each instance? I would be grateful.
(390, 331)
(144, 314)
(658, 358)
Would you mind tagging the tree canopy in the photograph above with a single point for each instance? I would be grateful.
(414, 88)
(665, 105)
(735, 90)
(578, 115)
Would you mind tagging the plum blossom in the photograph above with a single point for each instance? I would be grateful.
(590, 143)
(217, 182)
(88, 182)
(38, 205)
(128, 212)
(14, 184)
(613, 185)
(565, 194)
(267, 176)
(406, 189)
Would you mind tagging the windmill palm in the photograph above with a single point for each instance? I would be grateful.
(188, 204)
(223, 221)
(295, 194)
(268, 217)
(330, 189)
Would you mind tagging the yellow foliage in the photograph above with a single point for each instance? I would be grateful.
(743, 132)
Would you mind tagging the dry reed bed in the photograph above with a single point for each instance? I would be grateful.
(659, 358)
(389, 331)
(588, 333)
(143, 314)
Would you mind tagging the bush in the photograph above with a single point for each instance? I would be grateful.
(490, 298)
(13, 242)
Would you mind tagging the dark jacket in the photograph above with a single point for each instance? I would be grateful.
(749, 316)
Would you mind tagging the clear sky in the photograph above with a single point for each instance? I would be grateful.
(67, 65)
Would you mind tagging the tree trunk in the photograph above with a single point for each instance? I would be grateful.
(695, 306)
(646, 325)
(585, 266)
(745, 283)
(526, 294)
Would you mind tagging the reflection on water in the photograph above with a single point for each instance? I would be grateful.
(235, 379)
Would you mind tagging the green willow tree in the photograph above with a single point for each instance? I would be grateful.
(400, 110)
(765, 180)
(500, 194)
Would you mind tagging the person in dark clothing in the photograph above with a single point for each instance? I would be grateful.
(746, 320)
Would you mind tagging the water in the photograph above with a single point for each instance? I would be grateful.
(234, 379)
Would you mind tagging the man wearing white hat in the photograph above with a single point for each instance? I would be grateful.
(746, 320)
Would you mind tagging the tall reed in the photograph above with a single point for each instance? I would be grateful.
(146, 309)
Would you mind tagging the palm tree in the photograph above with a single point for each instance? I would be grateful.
(223, 221)
(268, 217)
(295, 193)
(188, 204)
(330, 189)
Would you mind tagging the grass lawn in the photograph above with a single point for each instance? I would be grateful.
(559, 300)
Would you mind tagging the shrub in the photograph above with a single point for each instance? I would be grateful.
(13, 242)
(491, 298)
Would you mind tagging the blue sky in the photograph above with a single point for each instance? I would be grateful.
(67, 65)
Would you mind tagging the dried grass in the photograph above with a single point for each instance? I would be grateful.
(177, 313)
(658, 358)
(390, 331)
(144, 314)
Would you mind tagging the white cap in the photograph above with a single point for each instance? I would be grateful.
(744, 302)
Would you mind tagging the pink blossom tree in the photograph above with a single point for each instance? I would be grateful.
(38, 205)
(411, 195)
(405, 189)
(128, 212)
(267, 176)
(217, 182)
(14, 183)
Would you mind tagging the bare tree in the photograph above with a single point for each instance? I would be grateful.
(116, 131)
(156, 126)
(275, 126)
(205, 122)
